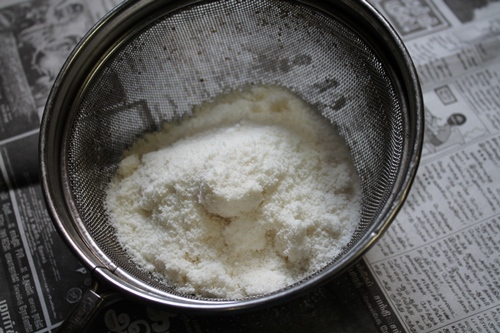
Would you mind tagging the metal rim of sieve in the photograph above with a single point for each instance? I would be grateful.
(99, 43)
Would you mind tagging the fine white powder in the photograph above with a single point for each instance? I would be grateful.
(251, 194)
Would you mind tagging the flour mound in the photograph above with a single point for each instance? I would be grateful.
(251, 194)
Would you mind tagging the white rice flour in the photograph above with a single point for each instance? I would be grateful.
(251, 194)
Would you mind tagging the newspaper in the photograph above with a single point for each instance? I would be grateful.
(437, 268)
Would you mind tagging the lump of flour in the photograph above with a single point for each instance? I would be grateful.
(251, 194)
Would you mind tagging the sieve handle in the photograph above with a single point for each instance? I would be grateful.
(84, 312)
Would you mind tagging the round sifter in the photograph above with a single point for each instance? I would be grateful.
(149, 62)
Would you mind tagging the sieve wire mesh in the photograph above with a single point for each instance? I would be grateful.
(193, 54)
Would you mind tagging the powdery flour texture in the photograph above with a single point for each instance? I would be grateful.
(251, 194)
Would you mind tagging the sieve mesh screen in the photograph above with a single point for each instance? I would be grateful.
(193, 54)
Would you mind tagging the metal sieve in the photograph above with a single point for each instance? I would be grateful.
(149, 62)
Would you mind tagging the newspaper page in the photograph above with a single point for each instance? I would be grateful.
(438, 265)
(436, 269)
